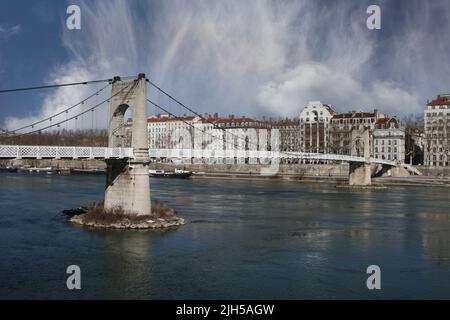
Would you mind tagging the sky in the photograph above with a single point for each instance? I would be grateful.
(248, 58)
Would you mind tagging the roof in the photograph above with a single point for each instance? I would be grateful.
(385, 122)
(235, 120)
(166, 118)
(354, 115)
(286, 122)
(330, 109)
(441, 100)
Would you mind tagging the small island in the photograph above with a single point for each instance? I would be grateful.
(95, 216)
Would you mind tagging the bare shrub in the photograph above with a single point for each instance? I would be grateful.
(96, 213)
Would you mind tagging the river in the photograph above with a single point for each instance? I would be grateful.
(244, 240)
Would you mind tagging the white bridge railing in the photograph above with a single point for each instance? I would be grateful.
(57, 152)
(230, 154)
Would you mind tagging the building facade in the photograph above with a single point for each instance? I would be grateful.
(289, 134)
(437, 129)
(389, 140)
(315, 124)
(414, 145)
(343, 124)
(319, 129)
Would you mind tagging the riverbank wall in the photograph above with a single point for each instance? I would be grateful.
(60, 164)
(320, 170)
(327, 173)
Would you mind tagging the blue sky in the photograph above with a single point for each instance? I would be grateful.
(250, 58)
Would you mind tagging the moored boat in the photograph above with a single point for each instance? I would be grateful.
(8, 169)
(183, 174)
(47, 170)
(88, 171)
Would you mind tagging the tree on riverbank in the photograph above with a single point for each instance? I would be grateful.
(91, 138)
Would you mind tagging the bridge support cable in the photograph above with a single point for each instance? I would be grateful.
(74, 117)
(198, 114)
(185, 122)
(160, 90)
(59, 85)
(32, 125)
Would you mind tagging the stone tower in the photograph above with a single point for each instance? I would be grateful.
(127, 181)
(360, 173)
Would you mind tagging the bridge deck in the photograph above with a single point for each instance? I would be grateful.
(59, 152)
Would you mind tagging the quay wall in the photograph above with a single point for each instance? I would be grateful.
(60, 164)
(321, 170)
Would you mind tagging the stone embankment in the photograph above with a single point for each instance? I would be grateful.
(126, 223)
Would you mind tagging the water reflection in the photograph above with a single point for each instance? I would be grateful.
(436, 238)
(126, 262)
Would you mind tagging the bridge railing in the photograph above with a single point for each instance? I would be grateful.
(230, 154)
(227, 154)
(58, 152)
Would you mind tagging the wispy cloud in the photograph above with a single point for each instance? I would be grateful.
(264, 57)
(9, 31)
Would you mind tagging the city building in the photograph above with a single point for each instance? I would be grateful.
(414, 145)
(319, 129)
(168, 132)
(343, 124)
(289, 134)
(315, 121)
(437, 129)
(388, 140)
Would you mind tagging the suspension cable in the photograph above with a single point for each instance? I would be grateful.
(54, 86)
(63, 111)
(185, 122)
(73, 117)
(197, 114)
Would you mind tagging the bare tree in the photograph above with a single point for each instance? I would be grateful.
(91, 138)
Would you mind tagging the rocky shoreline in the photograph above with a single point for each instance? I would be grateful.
(126, 223)
(95, 216)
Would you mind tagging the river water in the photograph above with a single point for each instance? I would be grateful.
(245, 240)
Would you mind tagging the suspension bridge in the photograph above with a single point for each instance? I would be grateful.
(128, 184)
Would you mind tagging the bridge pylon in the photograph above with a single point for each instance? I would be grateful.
(127, 181)
(360, 173)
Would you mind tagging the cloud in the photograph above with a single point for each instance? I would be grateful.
(262, 57)
(7, 32)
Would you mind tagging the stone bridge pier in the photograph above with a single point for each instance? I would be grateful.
(360, 173)
(127, 181)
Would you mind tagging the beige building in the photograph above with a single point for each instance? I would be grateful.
(389, 140)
